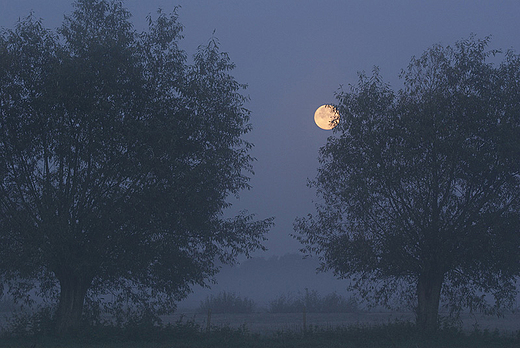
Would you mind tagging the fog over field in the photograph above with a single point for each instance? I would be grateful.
(262, 279)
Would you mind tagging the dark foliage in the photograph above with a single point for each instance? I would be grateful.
(420, 189)
(116, 161)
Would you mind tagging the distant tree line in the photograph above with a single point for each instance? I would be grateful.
(311, 302)
(227, 302)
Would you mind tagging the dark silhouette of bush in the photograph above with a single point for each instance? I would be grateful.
(313, 303)
(227, 302)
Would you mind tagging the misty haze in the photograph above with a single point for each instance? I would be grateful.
(167, 178)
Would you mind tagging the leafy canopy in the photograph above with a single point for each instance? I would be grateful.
(424, 183)
(117, 158)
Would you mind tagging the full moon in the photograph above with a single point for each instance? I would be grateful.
(326, 117)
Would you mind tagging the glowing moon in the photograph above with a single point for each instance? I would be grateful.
(326, 117)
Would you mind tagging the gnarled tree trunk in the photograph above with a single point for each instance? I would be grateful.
(70, 307)
(428, 296)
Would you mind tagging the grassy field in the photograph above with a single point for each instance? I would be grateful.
(383, 336)
(266, 323)
(242, 333)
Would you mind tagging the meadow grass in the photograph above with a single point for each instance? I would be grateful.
(184, 335)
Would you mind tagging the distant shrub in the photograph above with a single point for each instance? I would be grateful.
(227, 302)
(286, 304)
(334, 303)
(313, 303)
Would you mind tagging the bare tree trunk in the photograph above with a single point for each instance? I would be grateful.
(70, 306)
(428, 296)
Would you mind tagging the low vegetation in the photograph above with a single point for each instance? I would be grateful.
(189, 334)
(34, 329)
(227, 302)
(313, 302)
(310, 302)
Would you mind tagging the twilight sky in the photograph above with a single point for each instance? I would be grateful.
(294, 55)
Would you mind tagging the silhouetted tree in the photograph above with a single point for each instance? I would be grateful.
(420, 189)
(116, 161)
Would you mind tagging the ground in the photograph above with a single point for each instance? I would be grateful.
(270, 322)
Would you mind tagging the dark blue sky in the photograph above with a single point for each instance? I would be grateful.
(294, 55)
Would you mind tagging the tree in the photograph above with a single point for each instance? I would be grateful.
(116, 161)
(419, 189)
